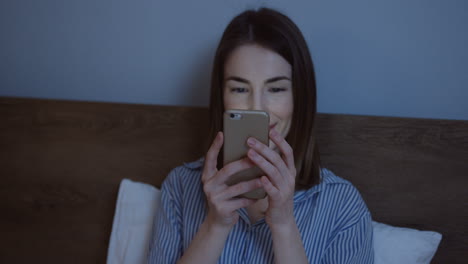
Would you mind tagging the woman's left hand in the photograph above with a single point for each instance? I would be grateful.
(279, 182)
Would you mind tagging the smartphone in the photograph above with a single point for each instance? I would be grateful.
(239, 125)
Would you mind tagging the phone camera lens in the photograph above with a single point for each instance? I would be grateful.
(233, 115)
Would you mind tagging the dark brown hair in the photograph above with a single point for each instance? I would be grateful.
(275, 31)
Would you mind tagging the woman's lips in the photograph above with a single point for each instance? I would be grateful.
(273, 125)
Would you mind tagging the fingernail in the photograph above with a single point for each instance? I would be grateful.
(253, 153)
(273, 132)
(259, 182)
(251, 141)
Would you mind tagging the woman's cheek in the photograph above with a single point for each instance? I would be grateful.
(282, 110)
(234, 102)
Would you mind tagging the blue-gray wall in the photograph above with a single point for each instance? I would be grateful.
(394, 58)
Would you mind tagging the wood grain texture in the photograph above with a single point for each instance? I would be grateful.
(411, 172)
(61, 163)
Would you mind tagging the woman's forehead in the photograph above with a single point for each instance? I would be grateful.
(255, 62)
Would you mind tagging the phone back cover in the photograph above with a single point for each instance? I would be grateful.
(236, 132)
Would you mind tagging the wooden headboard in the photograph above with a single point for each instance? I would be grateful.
(61, 163)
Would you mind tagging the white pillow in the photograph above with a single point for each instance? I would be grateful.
(396, 245)
(137, 204)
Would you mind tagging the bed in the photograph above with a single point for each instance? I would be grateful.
(61, 163)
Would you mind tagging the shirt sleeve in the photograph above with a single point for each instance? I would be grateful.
(353, 244)
(165, 245)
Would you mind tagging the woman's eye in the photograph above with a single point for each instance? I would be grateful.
(238, 90)
(277, 90)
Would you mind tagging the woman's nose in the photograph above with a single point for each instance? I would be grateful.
(256, 103)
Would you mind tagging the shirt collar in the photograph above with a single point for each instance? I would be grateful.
(198, 164)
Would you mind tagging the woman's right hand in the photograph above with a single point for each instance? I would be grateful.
(221, 202)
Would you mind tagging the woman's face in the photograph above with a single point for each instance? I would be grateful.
(260, 79)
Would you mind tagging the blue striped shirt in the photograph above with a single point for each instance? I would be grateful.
(333, 220)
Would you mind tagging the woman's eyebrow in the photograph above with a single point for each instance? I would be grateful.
(278, 78)
(242, 80)
(237, 79)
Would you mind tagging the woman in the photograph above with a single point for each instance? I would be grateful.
(309, 215)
